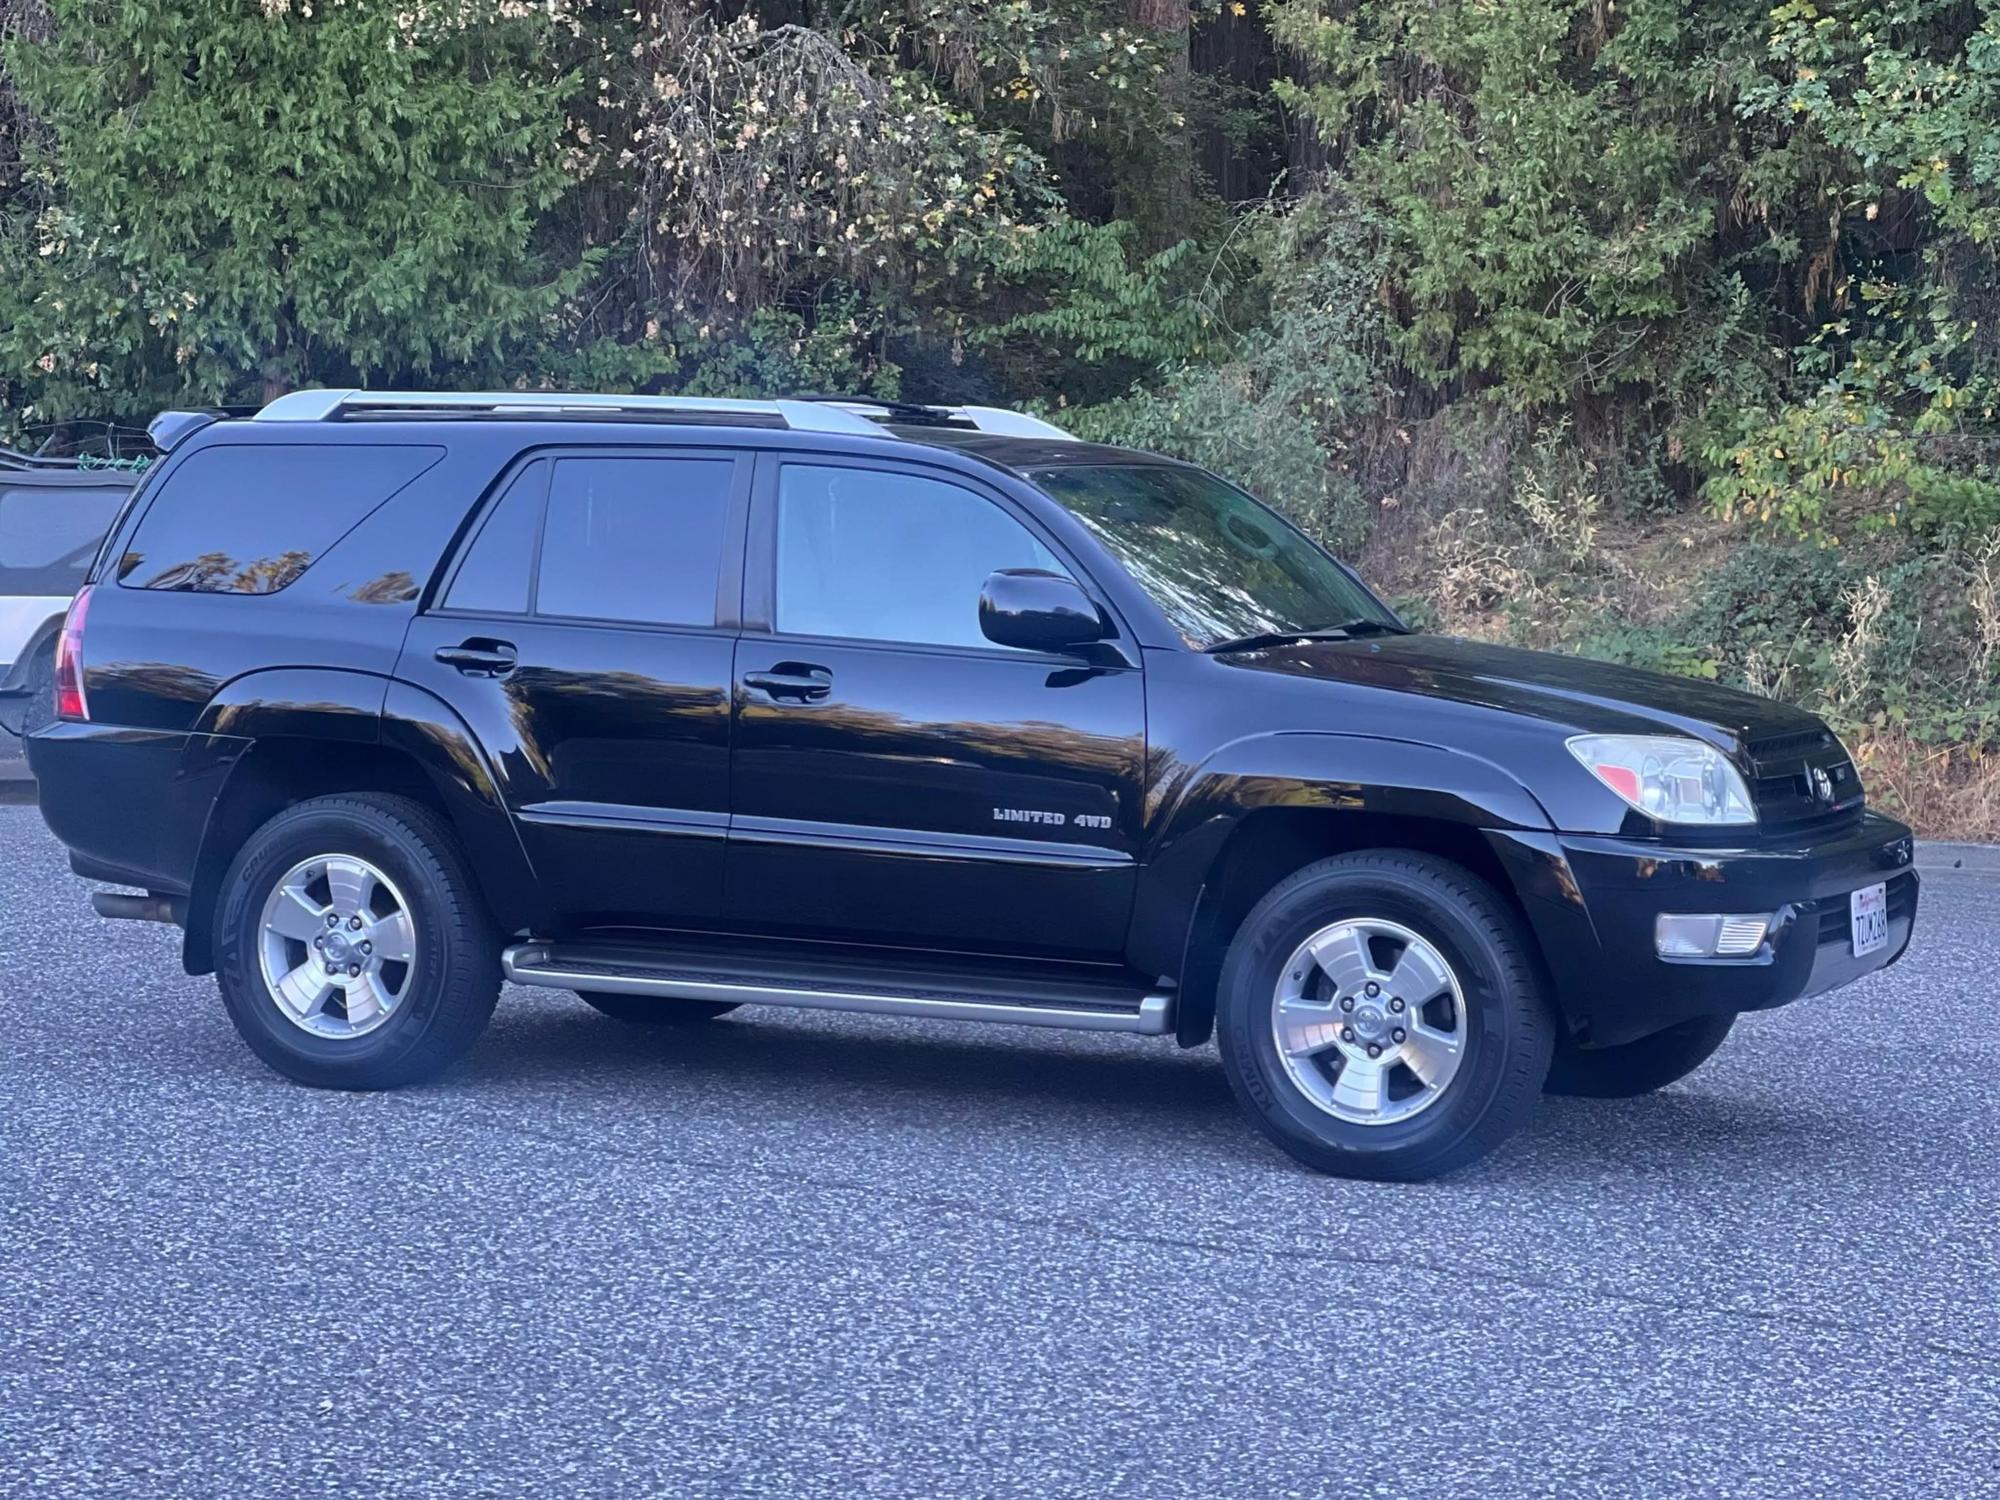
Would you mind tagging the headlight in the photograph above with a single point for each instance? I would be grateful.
(1667, 776)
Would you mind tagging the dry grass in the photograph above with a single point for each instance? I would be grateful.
(1984, 596)
(1476, 562)
(1944, 792)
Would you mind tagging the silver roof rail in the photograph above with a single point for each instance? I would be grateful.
(993, 419)
(323, 406)
(1005, 423)
(803, 416)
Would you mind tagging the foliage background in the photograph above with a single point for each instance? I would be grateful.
(1659, 329)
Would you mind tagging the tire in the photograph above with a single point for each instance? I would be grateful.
(439, 999)
(644, 1010)
(1405, 918)
(1640, 1067)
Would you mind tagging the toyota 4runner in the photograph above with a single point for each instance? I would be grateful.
(684, 705)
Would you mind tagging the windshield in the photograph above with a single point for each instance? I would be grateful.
(1218, 564)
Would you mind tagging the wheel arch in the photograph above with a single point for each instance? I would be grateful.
(1271, 843)
(1262, 808)
(309, 737)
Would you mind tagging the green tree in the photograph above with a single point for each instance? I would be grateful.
(242, 197)
(1545, 181)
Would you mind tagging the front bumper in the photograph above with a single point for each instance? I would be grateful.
(1593, 901)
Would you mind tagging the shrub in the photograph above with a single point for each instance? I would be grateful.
(1271, 408)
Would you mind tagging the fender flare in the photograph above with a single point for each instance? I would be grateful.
(321, 703)
(1355, 772)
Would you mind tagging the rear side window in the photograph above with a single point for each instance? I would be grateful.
(49, 534)
(251, 519)
(634, 539)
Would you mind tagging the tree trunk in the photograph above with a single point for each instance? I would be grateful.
(1159, 189)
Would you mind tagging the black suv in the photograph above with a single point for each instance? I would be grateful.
(684, 705)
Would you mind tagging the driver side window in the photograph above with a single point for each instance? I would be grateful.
(878, 555)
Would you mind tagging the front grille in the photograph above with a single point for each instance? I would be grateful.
(1785, 786)
(1778, 745)
(1836, 925)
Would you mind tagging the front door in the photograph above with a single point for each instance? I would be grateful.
(586, 635)
(898, 778)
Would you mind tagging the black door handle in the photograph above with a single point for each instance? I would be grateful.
(792, 680)
(478, 658)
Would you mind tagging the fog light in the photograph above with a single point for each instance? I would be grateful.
(1677, 935)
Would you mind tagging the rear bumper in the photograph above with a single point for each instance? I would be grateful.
(130, 804)
(1594, 900)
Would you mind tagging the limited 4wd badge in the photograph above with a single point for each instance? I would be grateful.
(1050, 819)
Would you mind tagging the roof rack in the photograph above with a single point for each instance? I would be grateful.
(326, 406)
(811, 414)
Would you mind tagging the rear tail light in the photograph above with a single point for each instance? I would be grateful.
(70, 701)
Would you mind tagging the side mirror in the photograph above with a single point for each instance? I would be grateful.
(1036, 611)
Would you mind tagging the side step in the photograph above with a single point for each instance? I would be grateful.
(814, 983)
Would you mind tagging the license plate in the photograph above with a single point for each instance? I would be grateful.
(1868, 914)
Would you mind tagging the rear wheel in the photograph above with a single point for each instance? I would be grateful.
(646, 1010)
(1638, 1067)
(1381, 1015)
(352, 949)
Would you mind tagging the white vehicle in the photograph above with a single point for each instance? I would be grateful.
(52, 517)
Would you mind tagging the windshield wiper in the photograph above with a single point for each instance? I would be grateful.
(1266, 638)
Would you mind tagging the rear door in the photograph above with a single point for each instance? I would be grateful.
(586, 633)
(900, 779)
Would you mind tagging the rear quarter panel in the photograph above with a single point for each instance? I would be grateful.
(179, 683)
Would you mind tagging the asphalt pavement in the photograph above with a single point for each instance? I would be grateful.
(793, 1254)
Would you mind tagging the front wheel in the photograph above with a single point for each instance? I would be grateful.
(352, 949)
(1639, 1067)
(1381, 1015)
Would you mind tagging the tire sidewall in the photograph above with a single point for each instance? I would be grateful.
(1246, 1034)
(274, 849)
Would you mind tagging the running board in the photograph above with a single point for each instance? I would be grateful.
(669, 976)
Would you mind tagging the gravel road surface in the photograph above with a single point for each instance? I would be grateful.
(792, 1254)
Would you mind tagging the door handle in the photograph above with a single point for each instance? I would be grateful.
(477, 658)
(791, 680)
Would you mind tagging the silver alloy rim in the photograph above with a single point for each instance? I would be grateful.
(1370, 1021)
(337, 946)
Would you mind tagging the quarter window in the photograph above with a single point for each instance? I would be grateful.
(250, 518)
(635, 539)
(494, 577)
(879, 555)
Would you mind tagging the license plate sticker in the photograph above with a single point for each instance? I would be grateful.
(1868, 914)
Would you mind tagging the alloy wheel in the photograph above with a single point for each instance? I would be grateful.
(337, 945)
(1369, 1021)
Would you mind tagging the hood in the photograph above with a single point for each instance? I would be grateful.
(1588, 696)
